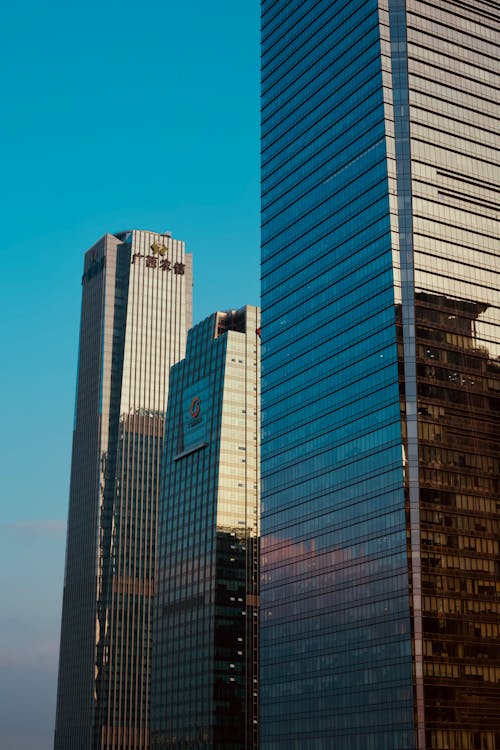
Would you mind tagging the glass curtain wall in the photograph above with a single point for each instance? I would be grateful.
(336, 628)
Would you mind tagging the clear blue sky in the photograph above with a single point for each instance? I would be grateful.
(113, 115)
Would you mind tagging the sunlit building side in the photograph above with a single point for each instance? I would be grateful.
(136, 310)
(205, 632)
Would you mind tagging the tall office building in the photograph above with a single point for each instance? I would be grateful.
(136, 310)
(205, 631)
(381, 379)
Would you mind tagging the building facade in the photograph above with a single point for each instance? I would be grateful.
(136, 310)
(205, 631)
(380, 391)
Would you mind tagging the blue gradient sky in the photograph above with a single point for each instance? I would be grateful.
(113, 115)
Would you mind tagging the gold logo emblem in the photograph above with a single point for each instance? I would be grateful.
(158, 249)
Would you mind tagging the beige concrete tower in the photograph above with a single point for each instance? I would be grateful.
(136, 310)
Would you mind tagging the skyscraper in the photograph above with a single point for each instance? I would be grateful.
(381, 379)
(205, 631)
(136, 310)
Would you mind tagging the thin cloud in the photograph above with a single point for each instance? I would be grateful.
(37, 654)
(33, 529)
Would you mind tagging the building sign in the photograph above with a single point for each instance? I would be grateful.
(196, 415)
(158, 259)
(195, 408)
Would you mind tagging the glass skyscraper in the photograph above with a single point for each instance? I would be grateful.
(381, 375)
(205, 621)
(136, 310)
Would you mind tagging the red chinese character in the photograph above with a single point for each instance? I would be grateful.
(165, 264)
(179, 268)
(150, 261)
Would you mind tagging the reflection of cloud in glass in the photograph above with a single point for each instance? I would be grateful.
(316, 578)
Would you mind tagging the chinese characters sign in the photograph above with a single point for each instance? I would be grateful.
(158, 260)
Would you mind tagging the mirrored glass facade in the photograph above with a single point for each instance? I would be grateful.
(205, 623)
(380, 326)
(136, 310)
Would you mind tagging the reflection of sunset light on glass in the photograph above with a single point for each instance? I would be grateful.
(208, 580)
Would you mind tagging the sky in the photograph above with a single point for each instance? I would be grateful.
(113, 115)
